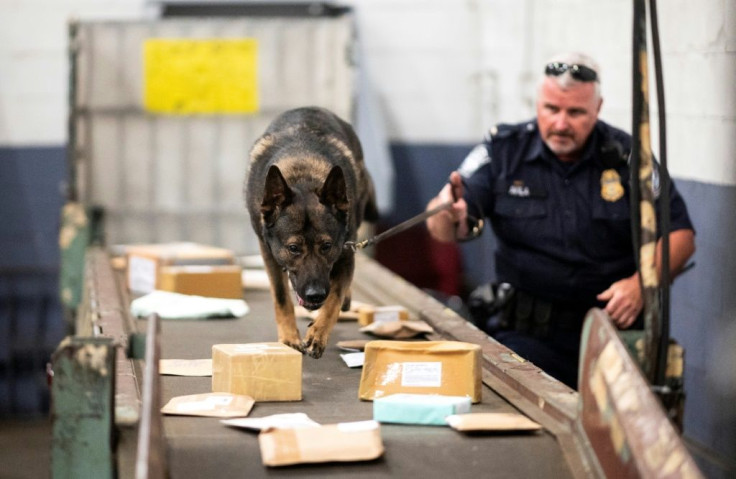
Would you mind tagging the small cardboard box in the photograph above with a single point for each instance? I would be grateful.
(450, 368)
(263, 371)
(144, 262)
(202, 280)
(370, 314)
(343, 442)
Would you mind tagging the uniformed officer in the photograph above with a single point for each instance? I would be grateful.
(556, 190)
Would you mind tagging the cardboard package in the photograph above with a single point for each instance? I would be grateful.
(404, 329)
(491, 421)
(424, 409)
(221, 405)
(351, 441)
(144, 262)
(450, 368)
(202, 280)
(369, 314)
(263, 371)
(353, 314)
(185, 367)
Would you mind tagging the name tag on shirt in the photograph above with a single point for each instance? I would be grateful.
(519, 189)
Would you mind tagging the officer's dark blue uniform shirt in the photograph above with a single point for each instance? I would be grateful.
(564, 230)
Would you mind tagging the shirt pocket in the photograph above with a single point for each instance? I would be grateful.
(513, 207)
(520, 220)
(611, 228)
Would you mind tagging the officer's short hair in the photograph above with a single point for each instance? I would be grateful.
(565, 80)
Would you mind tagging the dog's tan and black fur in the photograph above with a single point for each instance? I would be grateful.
(307, 192)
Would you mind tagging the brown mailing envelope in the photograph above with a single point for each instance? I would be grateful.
(343, 442)
(491, 421)
(350, 315)
(210, 405)
(402, 329)
(451, 368)
(185, 367)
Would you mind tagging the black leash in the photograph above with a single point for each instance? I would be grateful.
(399, 227)
(475, 231)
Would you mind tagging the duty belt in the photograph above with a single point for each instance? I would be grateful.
(537, 317)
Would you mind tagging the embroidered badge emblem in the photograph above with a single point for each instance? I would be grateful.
(611, 187)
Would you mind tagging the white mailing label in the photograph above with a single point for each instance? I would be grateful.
(423, 374)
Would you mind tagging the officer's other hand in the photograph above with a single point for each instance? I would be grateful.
(624, 301)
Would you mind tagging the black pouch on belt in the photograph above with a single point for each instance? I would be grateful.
(531, 315)
(486, 301)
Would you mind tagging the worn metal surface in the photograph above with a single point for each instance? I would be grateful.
(82, 411)
(151, 451)
(643, 200)
(74, 237)
(104, 313)
(627, 429)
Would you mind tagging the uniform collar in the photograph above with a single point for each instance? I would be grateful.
(537, 148)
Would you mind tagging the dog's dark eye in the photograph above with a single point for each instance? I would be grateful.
(294, 249)
(325, 247)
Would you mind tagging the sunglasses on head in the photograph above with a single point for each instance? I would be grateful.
(578, 72)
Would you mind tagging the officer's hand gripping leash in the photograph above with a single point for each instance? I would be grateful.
(476, 228)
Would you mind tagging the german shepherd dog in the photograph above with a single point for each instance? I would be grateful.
(307, 192)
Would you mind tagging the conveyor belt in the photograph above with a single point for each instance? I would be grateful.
(202, 447)
(614, 424)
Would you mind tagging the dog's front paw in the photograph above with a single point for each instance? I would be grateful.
(313, 348)
(293, 343)
(298, 346)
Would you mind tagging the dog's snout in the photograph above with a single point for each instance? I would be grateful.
(315, 295)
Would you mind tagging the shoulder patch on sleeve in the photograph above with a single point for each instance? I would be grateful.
(506, 130)
(477, 157)
(502, 130)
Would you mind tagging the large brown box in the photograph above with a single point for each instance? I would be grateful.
(144, 262)
(450, 368)
(212, 281)
(263, 371)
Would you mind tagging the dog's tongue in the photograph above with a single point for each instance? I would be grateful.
(299, 300)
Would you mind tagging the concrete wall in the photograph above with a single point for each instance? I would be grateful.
(443, 72)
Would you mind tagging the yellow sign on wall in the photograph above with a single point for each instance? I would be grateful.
(200, 76)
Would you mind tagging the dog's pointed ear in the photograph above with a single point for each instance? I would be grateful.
(334, 191)
(276, 196)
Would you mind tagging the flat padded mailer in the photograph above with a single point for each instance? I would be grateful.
(450, 368)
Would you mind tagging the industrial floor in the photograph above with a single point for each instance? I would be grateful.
(25, 448)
